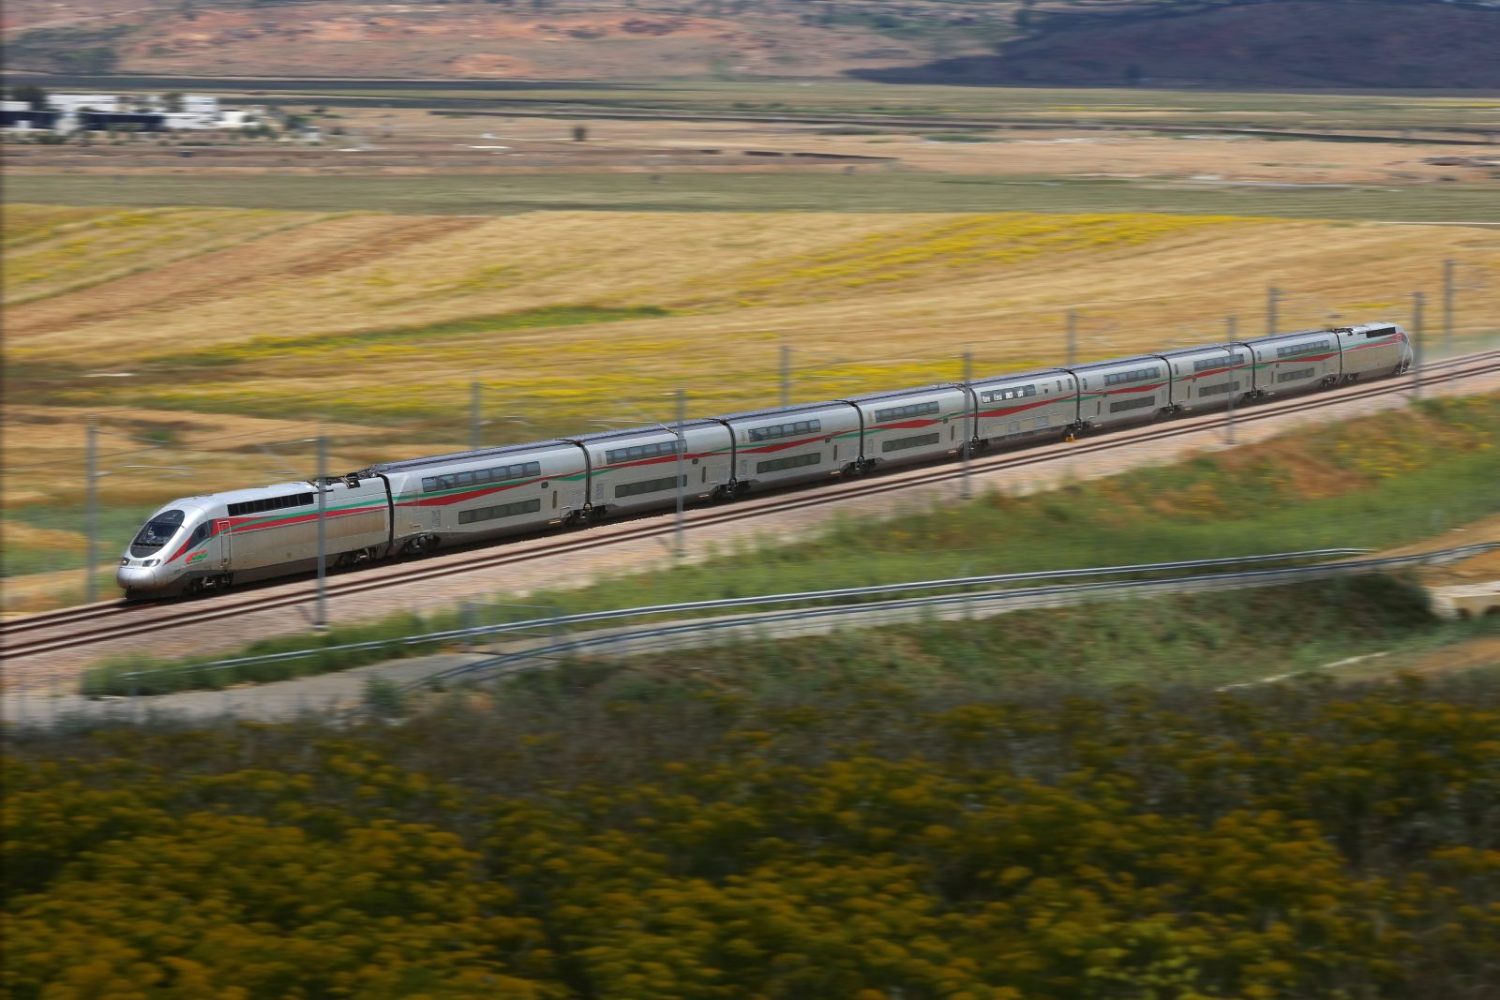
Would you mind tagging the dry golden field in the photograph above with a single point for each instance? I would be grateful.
(211, 344)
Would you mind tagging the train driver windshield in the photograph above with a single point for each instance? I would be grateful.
(157, 532)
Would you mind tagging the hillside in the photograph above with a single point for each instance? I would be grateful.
(535, 39)
(1292, 44)
(1280, 43)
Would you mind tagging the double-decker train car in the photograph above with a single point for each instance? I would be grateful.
(793, 444)
(478, 494)
(211, 541)
(912, 425)
(634, 469)
(1294, 362)
(1122, 391)
(1207, 377)
(1012, 408)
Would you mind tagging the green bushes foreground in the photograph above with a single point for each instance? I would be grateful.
(583, 834)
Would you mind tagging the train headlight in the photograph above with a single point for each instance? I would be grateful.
(125, 561)
(150, 562)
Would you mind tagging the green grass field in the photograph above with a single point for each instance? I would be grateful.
(1375, 482)
(860, 192)
(834, 97)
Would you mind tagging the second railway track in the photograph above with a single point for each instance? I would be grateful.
(96, 623)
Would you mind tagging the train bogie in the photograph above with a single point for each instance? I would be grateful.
(913, 425)
(1011, 408)
(1123, 391)
(794, 443)
(639, 469)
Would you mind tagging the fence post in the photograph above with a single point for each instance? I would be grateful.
(679, 545)
(91, 516)
(786, 375)
(1417, 301)
(320, 616)
(1448, 267)
(970, 424)
(475, 403)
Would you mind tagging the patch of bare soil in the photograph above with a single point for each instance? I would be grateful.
(1475, 654)
(1473, 570)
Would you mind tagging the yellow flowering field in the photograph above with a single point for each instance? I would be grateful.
(190, 333)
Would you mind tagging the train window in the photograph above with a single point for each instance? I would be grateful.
(773, 431)
(1384, 331)
(202, 532)
(905, 412)
(502, 510)
(638, 452)
(1139, 403)
(1011, 392)
(1214, 390)
(478, 477)
(649, 486)
(1223, 361)
(902, 444)
(1293, 376)
(157, 532)
(792, 462)
(1134, 375)
(1305, 348)
(270, 503)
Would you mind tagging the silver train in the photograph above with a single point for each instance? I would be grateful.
(215, 540)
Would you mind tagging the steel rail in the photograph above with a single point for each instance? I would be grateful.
(141, 619)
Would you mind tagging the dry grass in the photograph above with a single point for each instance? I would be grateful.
(247, 330)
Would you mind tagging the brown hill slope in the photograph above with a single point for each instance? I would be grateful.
(1277, 44)
(507, 39)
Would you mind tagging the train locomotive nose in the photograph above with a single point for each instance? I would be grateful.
(137, 578)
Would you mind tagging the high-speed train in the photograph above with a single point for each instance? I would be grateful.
(215, 540)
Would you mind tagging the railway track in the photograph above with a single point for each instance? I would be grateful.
(95, 623)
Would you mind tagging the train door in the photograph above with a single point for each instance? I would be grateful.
(222, 529)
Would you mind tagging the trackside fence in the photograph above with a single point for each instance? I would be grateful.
(862, 606)
(789, 623)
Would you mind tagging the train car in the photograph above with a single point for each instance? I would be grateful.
(1372, 350)
(1207, 377)
(1295, 362)
(1012, 408)
(792, 444)
(476, 494)
(214, 540)
(912, 425)
(1122, 391)
(638, 469)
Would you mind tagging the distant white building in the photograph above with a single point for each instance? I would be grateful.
(72, 103)
(67, 113)
(200, 104)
